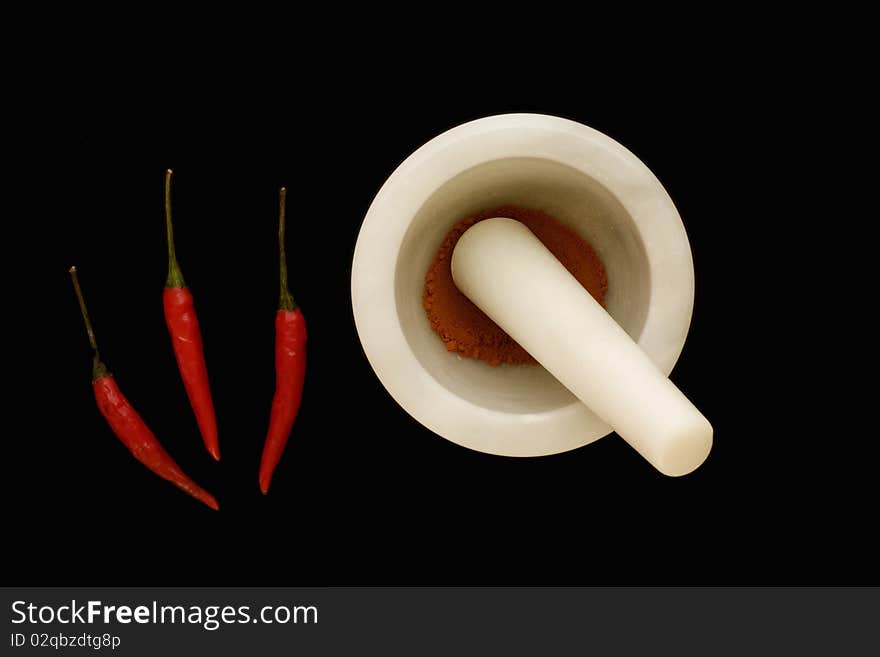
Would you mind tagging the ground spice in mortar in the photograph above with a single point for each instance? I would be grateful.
(466, 329)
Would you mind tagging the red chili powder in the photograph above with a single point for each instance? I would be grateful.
(466, 329)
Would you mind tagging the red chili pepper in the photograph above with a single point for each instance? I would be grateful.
(186, 338)
(290, 366)
(128, 425)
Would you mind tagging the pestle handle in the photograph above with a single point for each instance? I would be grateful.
(506, 271)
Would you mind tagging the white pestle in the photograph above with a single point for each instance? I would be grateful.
(505, 270)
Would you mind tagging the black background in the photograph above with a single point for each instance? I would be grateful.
(364, 494)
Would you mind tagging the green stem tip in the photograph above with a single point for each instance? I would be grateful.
(175, 277)
(285, 300)
(99, 370)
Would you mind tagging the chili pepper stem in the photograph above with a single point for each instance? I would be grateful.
(99, 370)
(285, 300)
(175, 277)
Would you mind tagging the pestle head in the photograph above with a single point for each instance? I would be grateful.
(505, 270)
